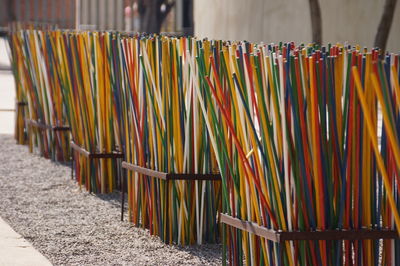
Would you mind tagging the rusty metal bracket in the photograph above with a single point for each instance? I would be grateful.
(164, 176)
(42, 126)
(281, 236)
(95, 155)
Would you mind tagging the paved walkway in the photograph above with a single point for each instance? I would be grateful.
(16, 251)
(7, 92)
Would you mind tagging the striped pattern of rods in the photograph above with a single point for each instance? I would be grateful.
(305, 138)
(296, 133)
(37, 82)
(166, 132)
(86, 74)
(19, 68)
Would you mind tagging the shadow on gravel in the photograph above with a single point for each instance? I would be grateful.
(204, 251)
(113, 198)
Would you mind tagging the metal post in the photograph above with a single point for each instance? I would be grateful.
(72, 163)
(123, 184)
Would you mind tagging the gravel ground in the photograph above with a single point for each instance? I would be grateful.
(73, 227)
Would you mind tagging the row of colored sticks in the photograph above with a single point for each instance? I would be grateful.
(165, 132)
(301, 147)
(18, 66)
(305, 138)
(38, 85)
(85, 72)
(99, 81)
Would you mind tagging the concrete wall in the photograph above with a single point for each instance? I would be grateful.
(355, 21)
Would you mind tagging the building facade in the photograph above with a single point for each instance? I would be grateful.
(354, 21)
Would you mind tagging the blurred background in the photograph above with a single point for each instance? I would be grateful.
(122, 15)
(369, 23)
(355, 21)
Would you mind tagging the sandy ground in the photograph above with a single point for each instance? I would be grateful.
(72, 227)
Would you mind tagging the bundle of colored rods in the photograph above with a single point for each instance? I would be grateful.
(296, 133)
(37, 77)
(305, 138)
(21, 81)
(84, 69)
(165, 132)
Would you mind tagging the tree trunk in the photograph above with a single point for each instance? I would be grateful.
(187, 17)
(382, 34)
(151, 22)
(316, 21)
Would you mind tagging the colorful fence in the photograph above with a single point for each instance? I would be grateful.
(309, 171)
(166, 133)
(19, 72)
(298, 149)
(38, 82)
(87, 80)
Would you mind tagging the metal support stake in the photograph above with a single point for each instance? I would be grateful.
(123, 176)
(72, 163)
